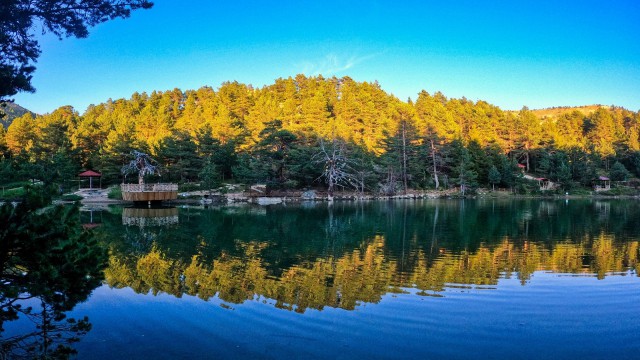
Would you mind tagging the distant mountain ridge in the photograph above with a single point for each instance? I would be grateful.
(11, 111)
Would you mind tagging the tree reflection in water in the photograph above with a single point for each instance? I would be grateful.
(341, 257)
(49, 264)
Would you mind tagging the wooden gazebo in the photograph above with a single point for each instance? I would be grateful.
(141, 193)
(91, 174)
(602, 183)
(545, 184)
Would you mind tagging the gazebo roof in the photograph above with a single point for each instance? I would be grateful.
(603, 178)
(89, 173)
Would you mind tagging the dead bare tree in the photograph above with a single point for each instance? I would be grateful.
(141, 164)
(337, 166)
(435, 164)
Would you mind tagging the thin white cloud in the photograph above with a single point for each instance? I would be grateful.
(332, 64)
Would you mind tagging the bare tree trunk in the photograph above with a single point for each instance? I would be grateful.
(391, 182)
(336, 168)
(435, 165)
(404, 157)
(330, 189)
(462, 181)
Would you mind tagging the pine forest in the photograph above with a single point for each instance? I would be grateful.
(327, 134)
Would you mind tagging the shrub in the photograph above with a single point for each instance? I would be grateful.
(115, 193)
(619, 172)
(188, 187)
(12, 193)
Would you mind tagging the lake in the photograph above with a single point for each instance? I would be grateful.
(455, 279)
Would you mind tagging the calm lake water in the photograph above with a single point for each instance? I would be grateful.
(459, 279)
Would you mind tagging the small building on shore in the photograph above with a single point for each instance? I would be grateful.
(545, 184)
(602, 183)
(142, 193)
(90, 174)
(149, 193)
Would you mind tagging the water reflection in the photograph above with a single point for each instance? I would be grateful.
(49, 264)
(344, 255)
(137, 216)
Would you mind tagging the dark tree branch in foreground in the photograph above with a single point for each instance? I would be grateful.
(19, 19)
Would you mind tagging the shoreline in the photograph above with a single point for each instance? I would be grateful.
(235, 198)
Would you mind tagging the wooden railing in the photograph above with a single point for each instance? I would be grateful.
(148, 187)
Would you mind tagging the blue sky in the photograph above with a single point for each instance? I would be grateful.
(510, 53)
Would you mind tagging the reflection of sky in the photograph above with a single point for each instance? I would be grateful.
(553, 316)
(509, 53)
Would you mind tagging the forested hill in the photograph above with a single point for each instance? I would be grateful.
(272, 134)
(10, 111)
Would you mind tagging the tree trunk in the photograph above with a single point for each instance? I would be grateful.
(435, 165)
(404, 157)
(330, 189)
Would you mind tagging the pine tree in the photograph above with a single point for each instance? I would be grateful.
(209, 175)
(178, 156)
(21, 134)
(619, 172)
(564, 176)
(463, 171)
(494, 176)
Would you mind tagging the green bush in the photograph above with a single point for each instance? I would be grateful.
(617, 191)
(528, 187)
(115, 193)
(188, 187)
(15, 184)
(12, 193)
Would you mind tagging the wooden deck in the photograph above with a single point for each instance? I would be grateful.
(149, 192)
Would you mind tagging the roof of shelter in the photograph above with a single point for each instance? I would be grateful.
(89, 173)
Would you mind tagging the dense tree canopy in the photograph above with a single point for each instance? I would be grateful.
(272, 135)
(19, 48)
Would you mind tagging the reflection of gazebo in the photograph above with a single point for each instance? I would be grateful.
(602, 183)
(91, 221)
(91, 174)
